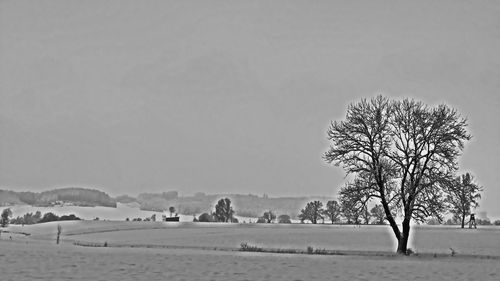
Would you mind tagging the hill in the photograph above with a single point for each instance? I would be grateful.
(70, 196)
(244, 205)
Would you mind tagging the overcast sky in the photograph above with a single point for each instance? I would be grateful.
(229, 96)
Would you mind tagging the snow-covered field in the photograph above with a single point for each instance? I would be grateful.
(207, 251)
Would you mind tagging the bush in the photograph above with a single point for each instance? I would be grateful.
(497, 222)
(48, 217)
(71, 217)
(320, 252)
(284, 219)
(205, 217)
(249, 248)
(261, 220)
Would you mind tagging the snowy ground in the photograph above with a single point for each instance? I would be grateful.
(139, 257)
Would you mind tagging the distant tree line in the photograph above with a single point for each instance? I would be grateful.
(223, 213)
(30, 218)
(463, 195)
(342, 212)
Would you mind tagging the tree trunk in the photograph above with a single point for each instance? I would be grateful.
(463, 221)
(391, 220)
(403, 239)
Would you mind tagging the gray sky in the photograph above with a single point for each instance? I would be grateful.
(229, 96)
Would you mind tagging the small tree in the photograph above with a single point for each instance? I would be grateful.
(284, 219)
(312, 212)
(269, 217)
(378, 213)
(332, 211)
(349, 211)
(171, 210)
(463, 194)
(223, 210)
(6, 214)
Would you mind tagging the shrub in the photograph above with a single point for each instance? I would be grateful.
(48, 217)
(205, 217)
(320, 252)
(497, 222)
(71, 217)
(244, 247)
(284, 219)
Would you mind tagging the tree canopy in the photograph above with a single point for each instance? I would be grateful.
(269, 216)
(403, 151)
(4, 219)
(312, 212)
(223, 210)
(332, 211)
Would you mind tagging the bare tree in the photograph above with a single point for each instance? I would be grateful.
(463, 194)
(313, 211)
(405, 149)
(332, 211)
(349, 210)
